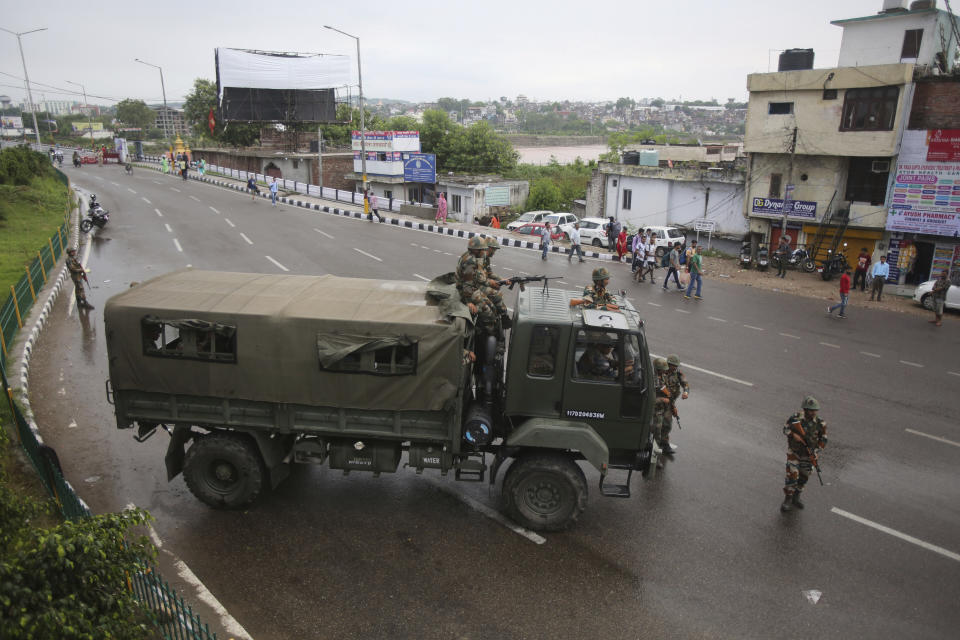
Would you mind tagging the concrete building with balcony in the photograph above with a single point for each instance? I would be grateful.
(171, 121)
(824, 142)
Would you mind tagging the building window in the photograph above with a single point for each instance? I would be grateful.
(867, 180)
(775, 180)
(829, 94)
(869, 109)
(780, 108)
(542, 359)
(627, 198)
(456, 204)
(911, 43)
(388, 194)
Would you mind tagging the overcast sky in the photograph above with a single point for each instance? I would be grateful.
(423, 50)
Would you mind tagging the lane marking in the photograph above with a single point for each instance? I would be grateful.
(790, 335)
(447, 253)
(493, 514)
(750, 326)
(562, 282)
(953, 373)
(681, 311)
(214, 210)
(227, 220)
(937, 438)
(158, 212)
(145, 200)
(898, 534)
(911, 364)
(195, 198)
(654, 304)
(244, 236)
(276, 263)
(100, 179)
(116, 184)
(367, 254)
(831, 345)
(155, 181)
(175, 189)
(506, 268)
(872, 355)
(712, 318)
(417, 275)
(437, 251)
(131, 190)
(711, 373)
(324, 233)
(177, 243)
(169, 230)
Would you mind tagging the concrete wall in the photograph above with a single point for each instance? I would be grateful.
(818, 120)
(879, 40)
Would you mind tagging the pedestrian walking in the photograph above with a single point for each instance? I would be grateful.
(695, 265)
(863, 266)
(374, 210)
(621, 245)
(939, 294)
(636, 250)
(545, 240)
(441, 209)
(183, 167)
(274, 190)
(202, 167)
(880, 272)
(613, 232)
(649, 258)
(844, 295)
(783, 255)
(575, 243)
(806, 433)
(673, 267)
(253, 188)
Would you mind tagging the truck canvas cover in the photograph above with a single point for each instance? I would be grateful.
(293, 337)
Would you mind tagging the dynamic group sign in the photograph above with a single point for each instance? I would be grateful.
(775, 207)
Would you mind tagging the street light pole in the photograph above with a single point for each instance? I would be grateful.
(363, 128)
(87, 105)
(163, 88)
(33, 111)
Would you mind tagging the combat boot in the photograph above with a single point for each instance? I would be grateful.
(796, 500)
(787, 504)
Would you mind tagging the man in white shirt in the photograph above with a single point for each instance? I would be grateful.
(575, 242)
(545, 232)
(649, 258)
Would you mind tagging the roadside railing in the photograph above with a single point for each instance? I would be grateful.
(171, 615)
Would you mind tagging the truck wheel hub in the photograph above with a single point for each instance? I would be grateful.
(223, 472)
(543, 496)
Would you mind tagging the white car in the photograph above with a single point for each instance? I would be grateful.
(924, 295)
(592, 232)
(563, 221)
(529, 216)
(666, 236)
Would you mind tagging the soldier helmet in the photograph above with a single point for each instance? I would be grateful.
(71, 251)
(673, 359)
(810, 403)
(476, 243)
(661, 364)
(600, 273)
(492, 243)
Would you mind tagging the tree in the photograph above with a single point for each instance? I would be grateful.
(136, 113)
(544, 195)
(658, 103)
(402, 123)
(197, 108)
(623, 106)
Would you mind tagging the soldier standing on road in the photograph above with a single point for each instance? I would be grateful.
(661, 407)
(596, 296)
(679, 389)
(806, 433)
(78, 274)
(471, 279)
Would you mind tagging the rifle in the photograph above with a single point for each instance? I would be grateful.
(813, 457)
(520, 280)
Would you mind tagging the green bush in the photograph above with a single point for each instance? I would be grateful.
(20, 165)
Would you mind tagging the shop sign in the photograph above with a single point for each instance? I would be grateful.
(943, 145)
(775, 207)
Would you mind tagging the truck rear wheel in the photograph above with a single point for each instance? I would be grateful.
(223, 470)
(545, 491)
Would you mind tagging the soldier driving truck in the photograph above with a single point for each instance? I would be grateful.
(251, 373)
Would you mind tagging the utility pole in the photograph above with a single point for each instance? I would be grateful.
(89, 112)
(320, 159)
(788, 190)
(26, 78)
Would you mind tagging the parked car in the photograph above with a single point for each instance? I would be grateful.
(529, 216)
(924, 295)
(666, 236)
(563, 221)
(592, 232)
(533, 229)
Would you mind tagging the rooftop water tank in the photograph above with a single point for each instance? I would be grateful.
(649, 158)
(796, 60)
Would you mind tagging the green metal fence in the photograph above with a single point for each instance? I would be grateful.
(174, 619)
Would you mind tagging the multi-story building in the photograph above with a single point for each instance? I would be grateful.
(824, 143)
(171, 121)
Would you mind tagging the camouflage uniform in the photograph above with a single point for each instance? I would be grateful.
(596, 297)
(471, 279)
(596, 365)
(676, 384)
(801, 456)
(661, 409)
(494, 294)
(77, 274)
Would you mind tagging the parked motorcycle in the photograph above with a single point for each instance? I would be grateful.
(745, 257)
(96, 218)
(763, 258)
(834, 264)
(799, 259)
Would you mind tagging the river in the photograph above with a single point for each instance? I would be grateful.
(564, 155)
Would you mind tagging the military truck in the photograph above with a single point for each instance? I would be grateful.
(257, 372)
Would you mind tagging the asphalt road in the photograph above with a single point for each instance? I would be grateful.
(700, 550)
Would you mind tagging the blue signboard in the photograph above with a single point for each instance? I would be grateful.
(775, 206)
(420, 167)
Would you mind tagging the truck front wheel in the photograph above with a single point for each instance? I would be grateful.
(545, 491)
(223, 470)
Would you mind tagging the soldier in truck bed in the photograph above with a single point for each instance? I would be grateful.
(471, 280)
(596, 296)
